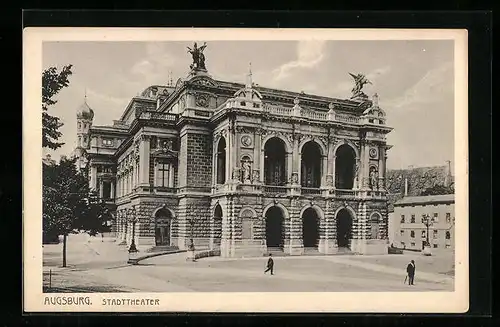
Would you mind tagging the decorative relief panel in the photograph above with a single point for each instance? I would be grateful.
(202, 100)
(373, 153)
(246, 141)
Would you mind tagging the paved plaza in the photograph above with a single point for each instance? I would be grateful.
(100, 266)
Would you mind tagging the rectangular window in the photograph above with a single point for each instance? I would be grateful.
(412, 234)
(435, 246)
(106, 190)
(435, 218)
(447, 246)
(402, 233)
(423, 234)
(448, 218)
(402, 219)
(413, 244)
(435, 234)
(163, 175)
(412, 219)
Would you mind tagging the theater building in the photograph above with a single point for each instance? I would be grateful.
(242, 169)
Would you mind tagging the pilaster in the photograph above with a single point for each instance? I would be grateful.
(144, 147)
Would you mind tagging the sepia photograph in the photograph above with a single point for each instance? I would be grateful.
(238, 165)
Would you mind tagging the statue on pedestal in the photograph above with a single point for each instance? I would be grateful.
(373, 178)
(246, 171)
(198, 57)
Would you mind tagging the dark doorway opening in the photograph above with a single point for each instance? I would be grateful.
(274, 227)
(344, 228)
(163, 218)
(217, 226)
(310, 228)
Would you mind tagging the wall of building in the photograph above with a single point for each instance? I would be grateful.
(415, 243)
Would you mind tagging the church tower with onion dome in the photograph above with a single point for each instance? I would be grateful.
(84, 118)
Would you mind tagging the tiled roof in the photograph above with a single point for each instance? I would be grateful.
(427, 199)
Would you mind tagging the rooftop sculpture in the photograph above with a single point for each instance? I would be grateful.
(198, 57)
(360, 80)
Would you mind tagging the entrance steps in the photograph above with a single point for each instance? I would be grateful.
(163, 248)
(276, 252)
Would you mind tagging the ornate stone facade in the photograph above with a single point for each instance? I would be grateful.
(247, 170)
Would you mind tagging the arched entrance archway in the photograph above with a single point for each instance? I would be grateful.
(275, 162)
(217, 226)
(310, 173)
(310, 228)
(163, 221)
(344, 228)
(274, 227)
(345, 167)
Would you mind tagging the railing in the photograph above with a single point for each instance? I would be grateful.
(277, 110)
(274, 189)
(347, 118)
(158, 116)
(343, 193)
(310, 190)
(314, 114)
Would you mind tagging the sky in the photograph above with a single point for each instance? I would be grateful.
(414, 80)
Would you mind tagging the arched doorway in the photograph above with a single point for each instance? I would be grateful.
(274, 227)
(275, 162)
(310, 228)
(163, 219)
(217, 226)
(221, 161)
(344, 228)
(310, 175)
(345, 167)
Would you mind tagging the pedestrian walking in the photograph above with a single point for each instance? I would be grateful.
(270, 265)
(410, 270)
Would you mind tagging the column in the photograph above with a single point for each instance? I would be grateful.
(101, 189)
(215, 168)
(381, 169)
(295, 176)
(93, 177)
(112, 190)
(364, 162)
(144, 160)
(262, 162)
(329, 166)
(256, 158)
(229, 164)
(324, 169)
(289, 169)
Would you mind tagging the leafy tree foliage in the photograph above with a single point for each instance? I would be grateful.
(52, 82)
(68, 205)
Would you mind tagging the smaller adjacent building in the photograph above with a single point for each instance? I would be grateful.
(410, 216)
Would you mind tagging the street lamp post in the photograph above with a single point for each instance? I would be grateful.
(132, 251)
(427, 221)
(191, 247)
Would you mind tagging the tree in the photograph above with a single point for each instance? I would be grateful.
(438, 189)
(68, 205)
(52, 82)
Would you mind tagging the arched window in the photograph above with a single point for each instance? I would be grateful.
(345, 167)
(448, 235)
(311, 165)
(412, 234)
(275, 162)
(221, 161)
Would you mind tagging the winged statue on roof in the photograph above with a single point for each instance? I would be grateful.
(360, 80)
(198, 56)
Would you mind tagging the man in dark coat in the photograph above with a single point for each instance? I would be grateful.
(410, 269)
(270, 265)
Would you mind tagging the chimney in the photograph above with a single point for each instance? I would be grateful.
(447, 180)
(406, 186)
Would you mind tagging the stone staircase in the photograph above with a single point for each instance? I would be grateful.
(163, 248)
(276, 252)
